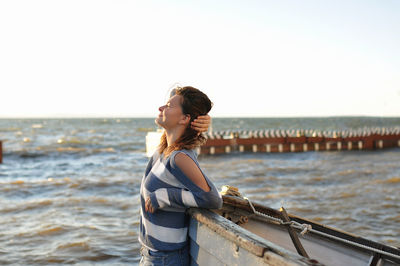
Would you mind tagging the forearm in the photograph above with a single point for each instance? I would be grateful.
(181, 198)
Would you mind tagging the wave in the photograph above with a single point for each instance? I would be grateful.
(389, 206)
(92, 141)
(281, 195)
(37, 126)
(345, 195)
(35, 207)
(26, 154)
(52, 231)
(27, 206)
(260, 190)
(80, 245)
(53, 151)
(145, 129)
(10, 129)
(17, 182)
(394, 218)
(392, 180)
(71, 149)
(50, 181)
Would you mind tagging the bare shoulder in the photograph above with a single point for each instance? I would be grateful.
(186, 164)
(191, 170)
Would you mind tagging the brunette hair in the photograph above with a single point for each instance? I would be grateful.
(194, 103)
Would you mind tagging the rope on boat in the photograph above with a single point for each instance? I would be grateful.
(305, 228)
(308, 228)
(233, 191)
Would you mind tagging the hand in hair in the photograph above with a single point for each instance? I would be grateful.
(201, 123)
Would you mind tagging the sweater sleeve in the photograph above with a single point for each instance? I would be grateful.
(182, 198)
(189, 196)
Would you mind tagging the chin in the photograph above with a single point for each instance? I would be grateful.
(158, 121)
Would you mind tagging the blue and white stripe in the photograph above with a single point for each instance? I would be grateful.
(171, 193)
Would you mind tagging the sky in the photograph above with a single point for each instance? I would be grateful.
(253, 58)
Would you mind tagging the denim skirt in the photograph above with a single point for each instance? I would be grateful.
(164, 258)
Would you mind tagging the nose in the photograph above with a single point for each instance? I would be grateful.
(161, 108)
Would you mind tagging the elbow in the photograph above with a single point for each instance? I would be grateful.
(210, 200)
(216, 202)
(220, 203)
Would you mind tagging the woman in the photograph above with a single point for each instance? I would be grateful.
(173, 182)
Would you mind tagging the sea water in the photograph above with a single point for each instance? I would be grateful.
(69, 188)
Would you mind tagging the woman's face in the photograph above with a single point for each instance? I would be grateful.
(171, 113)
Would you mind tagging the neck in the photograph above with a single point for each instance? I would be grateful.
(173, 134)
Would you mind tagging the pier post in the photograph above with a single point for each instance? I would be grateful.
(360, 145)
(292, 147)
(268, 147)
(280, 147)
(212, 150)
(316, 146)
(1, 152)
(227, 149)
(305, 147)
(380, 144)
(254, 147)
(349, 145)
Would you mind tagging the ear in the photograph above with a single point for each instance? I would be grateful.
(185, 120)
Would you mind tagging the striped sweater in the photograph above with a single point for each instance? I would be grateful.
(171, 192)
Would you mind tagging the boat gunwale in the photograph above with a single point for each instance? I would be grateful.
(244, 238)
(242, 204)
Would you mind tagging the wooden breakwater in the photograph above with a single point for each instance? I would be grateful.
(300, 140)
